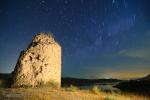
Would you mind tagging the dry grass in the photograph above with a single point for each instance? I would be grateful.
(63, 94)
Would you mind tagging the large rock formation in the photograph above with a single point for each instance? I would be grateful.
(39, 64)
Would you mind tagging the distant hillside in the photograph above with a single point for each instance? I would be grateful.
(5, 75)
(141, 85)
(80, 82)
(146, 77)
(5, 79)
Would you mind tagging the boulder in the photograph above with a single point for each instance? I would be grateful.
(39, 64)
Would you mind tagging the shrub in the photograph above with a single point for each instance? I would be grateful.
(96, 89)
(25, 86)
(50, 34)
(72, 88)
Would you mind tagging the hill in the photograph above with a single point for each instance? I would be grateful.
(146, 78)
(141, 85)
(81, 82)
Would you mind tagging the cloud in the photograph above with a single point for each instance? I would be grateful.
(122, 73)
(129, 74)
(135, 53)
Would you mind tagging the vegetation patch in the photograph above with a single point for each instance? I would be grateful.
(110, 98)
(51, 84)
(72, 88)
(96, 89)
(25, 86)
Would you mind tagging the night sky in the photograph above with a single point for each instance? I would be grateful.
(99, 38)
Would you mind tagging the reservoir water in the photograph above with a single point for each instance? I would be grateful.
(103, 87)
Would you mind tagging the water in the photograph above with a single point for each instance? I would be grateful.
(106, 87)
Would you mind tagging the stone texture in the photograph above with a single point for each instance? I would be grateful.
(39, 64)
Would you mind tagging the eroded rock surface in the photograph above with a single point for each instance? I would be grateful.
(39, 64)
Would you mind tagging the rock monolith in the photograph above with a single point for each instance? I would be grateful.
(39, 64)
